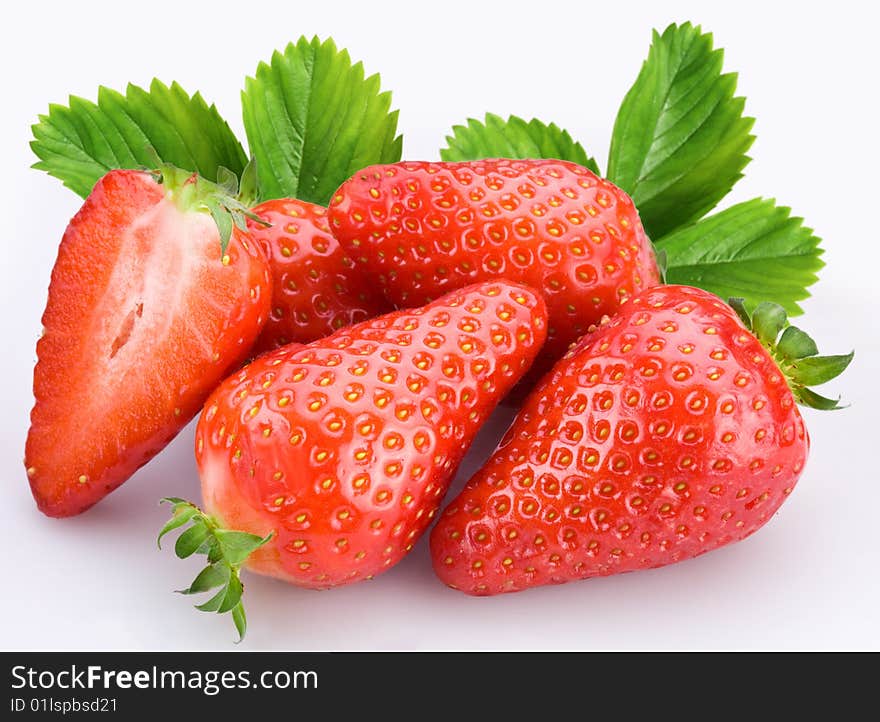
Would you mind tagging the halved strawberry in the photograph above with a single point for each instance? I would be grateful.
(145, 315)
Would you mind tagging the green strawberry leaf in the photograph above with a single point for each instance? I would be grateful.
(680, 138)
(808, 397)
(214, 603)
(513, 138)
(226, 550)
(238, 545)
(755, 250)
(189, 542)
(226, 599)
(312, 120)
(247, 189)
(232, 595)
(80, 142)
(210, 577)
(239, 618)
(768, 320)
(796, 344)
(223, 221)
(818, 370)
(182, 514)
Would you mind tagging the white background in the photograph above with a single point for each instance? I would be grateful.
(807, 580)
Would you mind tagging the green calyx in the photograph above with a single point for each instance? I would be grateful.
(227, 200)
(795, 353)
(226, 550)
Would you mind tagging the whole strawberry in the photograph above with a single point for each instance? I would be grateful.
(670, 431)
(316, 290)
(422, 229)
(342, 449)
(149, 308)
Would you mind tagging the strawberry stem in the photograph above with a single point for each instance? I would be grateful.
(795, 353)
(224, 200)
(226, 550)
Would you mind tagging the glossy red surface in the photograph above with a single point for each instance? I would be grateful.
(421, 229)
(316, 288)
(345, 447)
(667, 433)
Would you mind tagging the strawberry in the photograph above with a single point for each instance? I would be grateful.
(422, 229)
(670, 431)
(341, 450)
(147, 311)
(315, 290)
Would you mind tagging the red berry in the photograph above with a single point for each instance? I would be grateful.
(422, 229)
(667, 433)
(145, 316)
(344, 448)
(316, 290)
